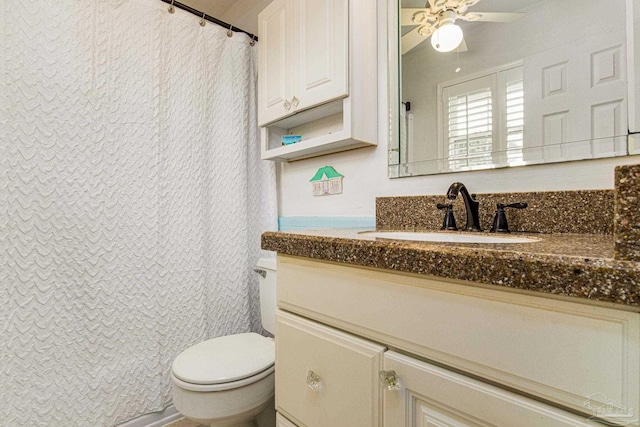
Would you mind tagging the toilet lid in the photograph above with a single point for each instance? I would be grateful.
(225, 359)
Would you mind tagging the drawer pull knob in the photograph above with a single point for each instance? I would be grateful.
(390, 380)
(313, 380)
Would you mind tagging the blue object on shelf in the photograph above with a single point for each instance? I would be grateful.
(291, 139)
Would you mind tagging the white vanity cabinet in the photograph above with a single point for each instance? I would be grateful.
(464, 354)
(317, 76)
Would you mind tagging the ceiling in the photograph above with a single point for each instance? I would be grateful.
(211, 7)
(244, 13)
(239, 13)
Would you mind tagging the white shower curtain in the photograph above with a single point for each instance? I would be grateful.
(132, 199)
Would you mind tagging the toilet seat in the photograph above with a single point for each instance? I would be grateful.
(224, 363)
(222, 386)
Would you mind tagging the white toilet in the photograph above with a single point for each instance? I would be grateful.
(229, 381)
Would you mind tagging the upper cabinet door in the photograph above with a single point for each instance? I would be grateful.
(275, 26)
(321, 51)
(303, 56)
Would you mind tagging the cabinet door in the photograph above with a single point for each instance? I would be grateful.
(321, 49)
(275, 65)
(325, 377)
(432, 396)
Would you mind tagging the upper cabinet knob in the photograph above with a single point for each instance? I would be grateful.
(295, 102)
(287, 105)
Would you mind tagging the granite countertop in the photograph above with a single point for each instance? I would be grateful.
(571, 265)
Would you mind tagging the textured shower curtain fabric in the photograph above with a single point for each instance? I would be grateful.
(132, 199)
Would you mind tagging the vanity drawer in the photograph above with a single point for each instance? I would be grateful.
(577, 355)
(345, 390)
(283, 422)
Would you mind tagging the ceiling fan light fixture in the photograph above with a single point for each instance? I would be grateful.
(447, 37)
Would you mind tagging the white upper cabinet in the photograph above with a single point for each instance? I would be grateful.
(318, 77)
(304, 51)
(275, 65)
(321, 50)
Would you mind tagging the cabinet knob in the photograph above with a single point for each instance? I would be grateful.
(390, 380)
(313, 380)
(295, 102)
(287, 105)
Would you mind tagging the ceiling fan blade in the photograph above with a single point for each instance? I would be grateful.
(437, 4)
(412, 39)
(492, 16)
(407, 16)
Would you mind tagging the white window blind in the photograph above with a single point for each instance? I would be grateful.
(470, 124)
(484, 120)
(515, 121)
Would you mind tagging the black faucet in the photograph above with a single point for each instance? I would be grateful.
(449, 222)
(471, 205)
(500, 224)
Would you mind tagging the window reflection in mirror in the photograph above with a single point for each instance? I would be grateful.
(533, 81)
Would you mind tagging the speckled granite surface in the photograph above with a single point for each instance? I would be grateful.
(548, 212)
(584, 250)
(627, 213)
(572, 265)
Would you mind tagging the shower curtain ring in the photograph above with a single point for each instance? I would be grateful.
(230, 31)
(203, 22)
(253, 40)
(171, 9)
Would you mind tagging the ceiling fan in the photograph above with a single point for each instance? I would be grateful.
(437, 20)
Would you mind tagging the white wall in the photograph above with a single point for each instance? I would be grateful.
(244, 14)
(239, 13)
(365, 172)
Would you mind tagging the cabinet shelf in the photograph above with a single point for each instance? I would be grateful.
(324, 129)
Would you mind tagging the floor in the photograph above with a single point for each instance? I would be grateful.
(183, 422)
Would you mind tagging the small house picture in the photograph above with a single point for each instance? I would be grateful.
(326, 181)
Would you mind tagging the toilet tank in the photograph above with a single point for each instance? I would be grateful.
(267, 293)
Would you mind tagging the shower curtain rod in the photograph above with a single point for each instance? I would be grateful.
(209, 18)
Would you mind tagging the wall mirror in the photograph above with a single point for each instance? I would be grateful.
(531, 81)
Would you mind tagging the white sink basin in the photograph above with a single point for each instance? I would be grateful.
(452, 237)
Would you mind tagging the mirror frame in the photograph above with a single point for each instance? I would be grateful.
(632, 24)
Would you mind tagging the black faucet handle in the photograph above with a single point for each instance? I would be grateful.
(500, 224)
(449, 222)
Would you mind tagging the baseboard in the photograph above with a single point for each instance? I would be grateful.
(155, 419)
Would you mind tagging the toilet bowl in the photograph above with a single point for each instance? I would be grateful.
(229, 381)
